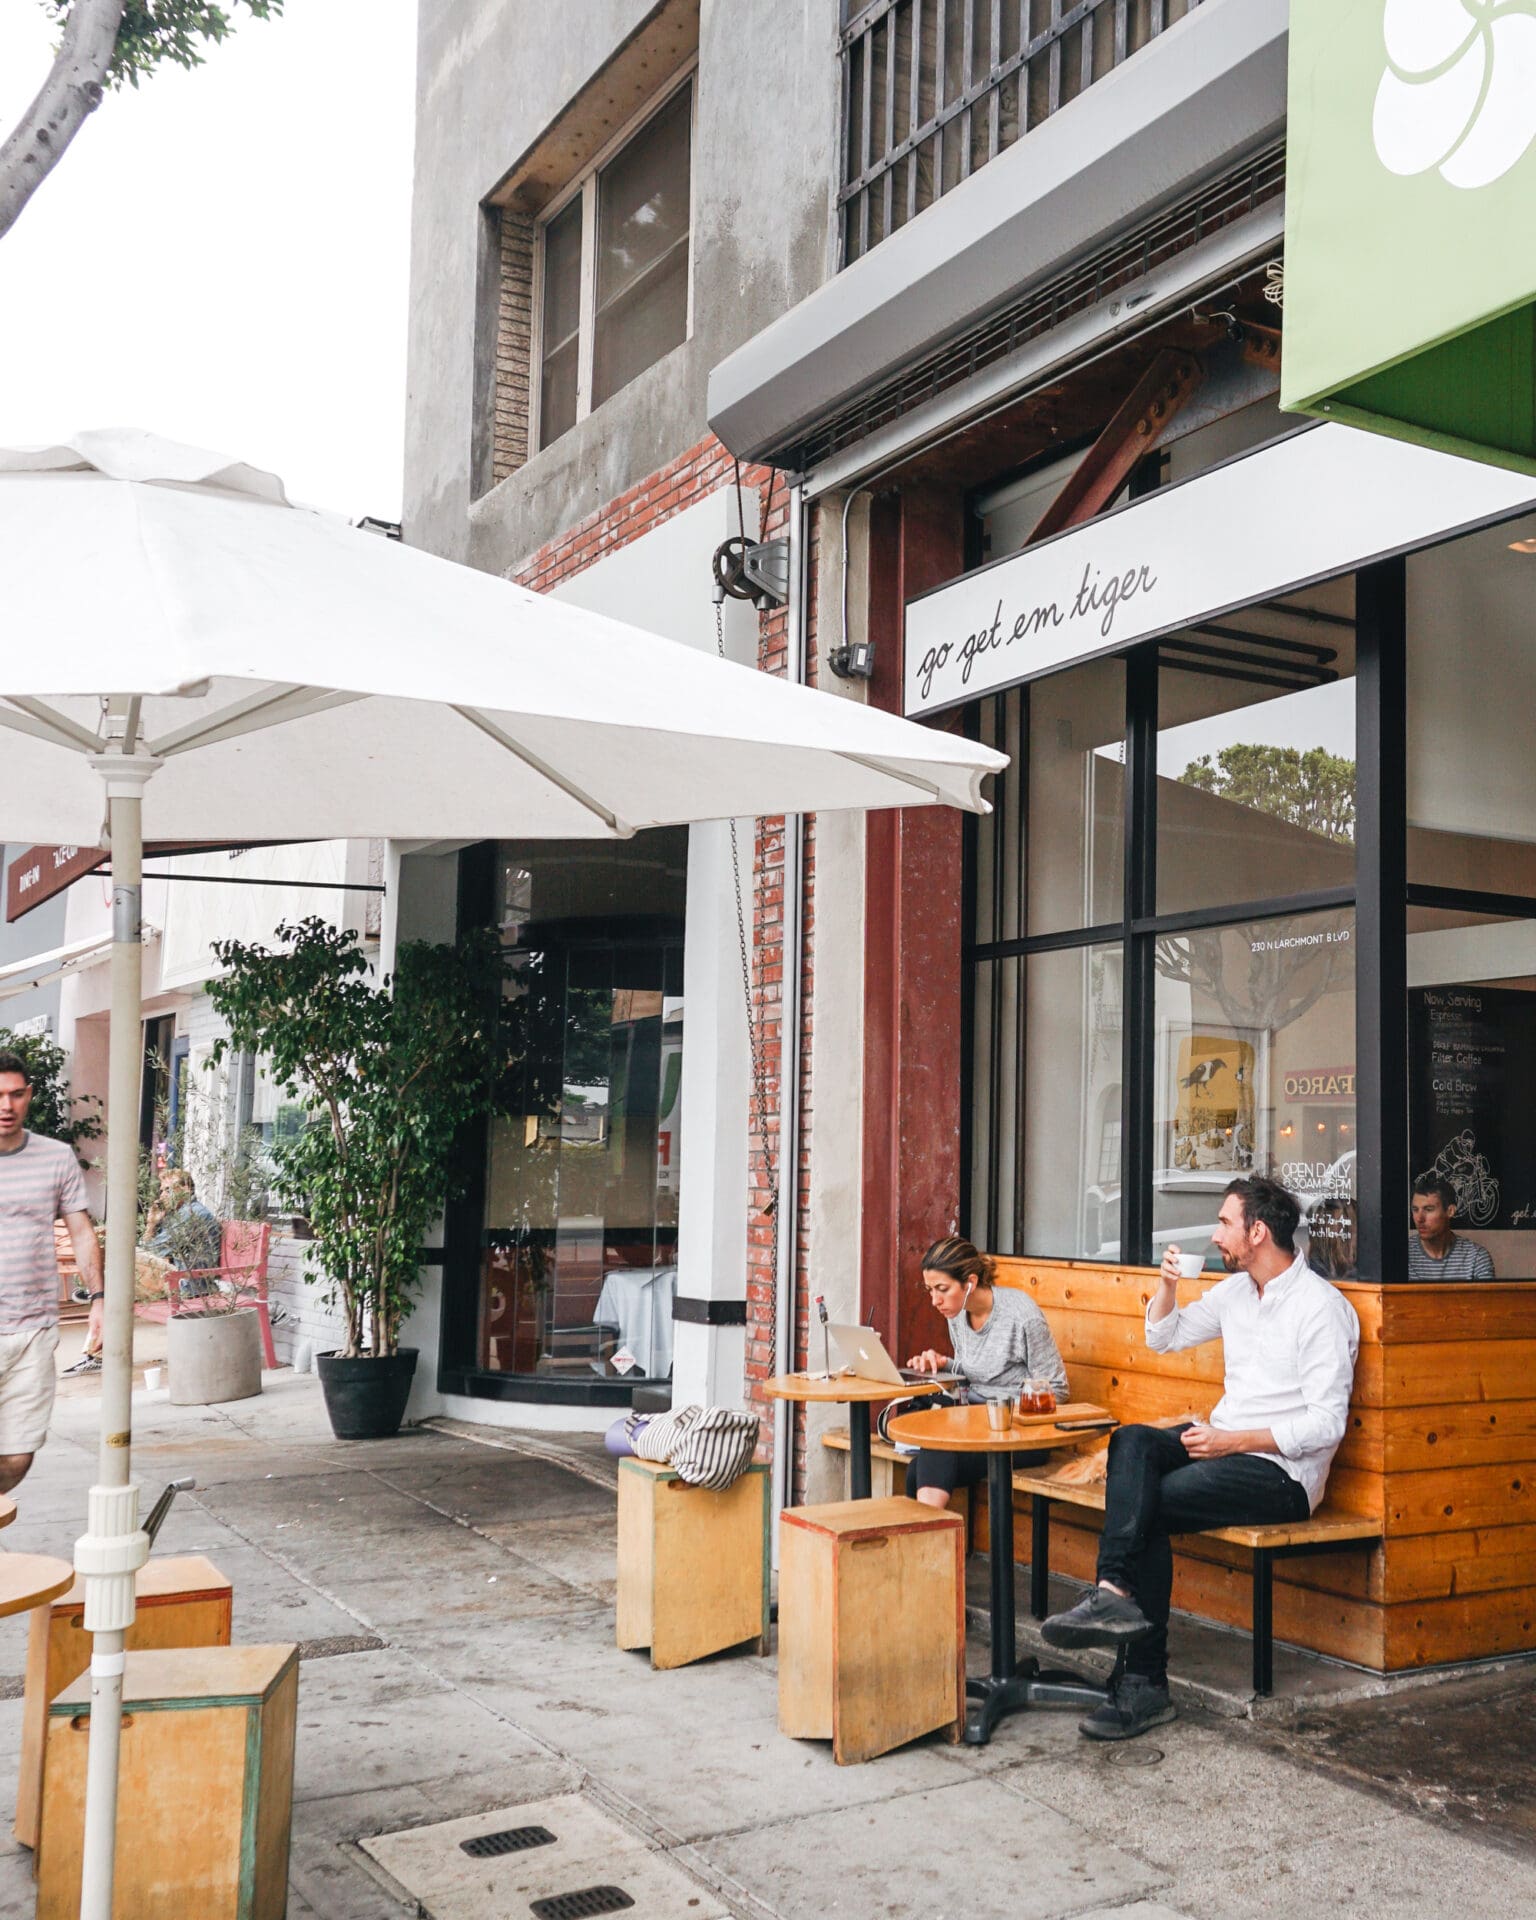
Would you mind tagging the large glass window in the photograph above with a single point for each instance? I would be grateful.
(1205, 938)
(1255, 1072)
(579, 1252)
(1471, 853)
(615, 267)
(1050, 1021)
(1256, 754)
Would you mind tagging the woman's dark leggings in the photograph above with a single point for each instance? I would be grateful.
(952, 1470)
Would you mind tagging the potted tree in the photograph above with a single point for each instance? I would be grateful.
(389, 1075)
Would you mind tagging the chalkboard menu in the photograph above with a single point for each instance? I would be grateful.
(1472, 1099)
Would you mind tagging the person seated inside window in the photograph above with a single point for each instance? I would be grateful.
(1435, 1251)
(183, 1231)
(1000, 1339)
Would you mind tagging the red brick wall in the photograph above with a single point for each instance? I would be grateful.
(692, 477)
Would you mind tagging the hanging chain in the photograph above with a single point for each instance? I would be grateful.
(754, 1031)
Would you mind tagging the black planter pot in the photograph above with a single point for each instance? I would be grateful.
(366, 1398)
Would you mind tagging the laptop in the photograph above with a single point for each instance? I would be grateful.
(862, 1352)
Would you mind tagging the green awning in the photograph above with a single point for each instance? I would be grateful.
(1410, 262)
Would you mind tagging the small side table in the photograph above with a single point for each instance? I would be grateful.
(180, 1601)
(858, 1395)
(1011, 1683)
(693, 1563)
(205, 1786)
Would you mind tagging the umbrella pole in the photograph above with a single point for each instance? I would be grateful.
(113, 1546)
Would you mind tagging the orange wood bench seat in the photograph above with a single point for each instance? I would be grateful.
(1324, 1533)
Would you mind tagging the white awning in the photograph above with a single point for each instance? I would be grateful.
(21, 976)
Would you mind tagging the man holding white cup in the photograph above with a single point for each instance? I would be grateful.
(1290, 1340)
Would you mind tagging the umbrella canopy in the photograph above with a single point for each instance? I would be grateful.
(302, 679)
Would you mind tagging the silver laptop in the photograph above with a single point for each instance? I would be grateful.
(862, 1351)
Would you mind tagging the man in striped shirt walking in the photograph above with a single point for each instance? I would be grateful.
(1435, 1252)
(39, 1183)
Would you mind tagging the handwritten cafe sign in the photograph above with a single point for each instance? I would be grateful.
(1303, 508)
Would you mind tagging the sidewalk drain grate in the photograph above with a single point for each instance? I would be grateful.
(582, 1904)
(491, 1846)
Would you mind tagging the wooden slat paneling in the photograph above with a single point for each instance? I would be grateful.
(1502, 1310)
(1431, 1632)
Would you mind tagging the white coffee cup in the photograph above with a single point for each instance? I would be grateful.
(152, 1379)
(1191, 1265)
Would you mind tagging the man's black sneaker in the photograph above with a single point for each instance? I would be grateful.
(87, 1363)
(1135, 1705)
(1100, 1619)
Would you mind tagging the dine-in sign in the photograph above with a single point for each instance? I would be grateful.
(1303, 508)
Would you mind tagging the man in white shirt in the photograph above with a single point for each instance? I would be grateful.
(1290, 1338)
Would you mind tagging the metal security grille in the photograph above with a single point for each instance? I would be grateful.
(582, 1904)
(1123, 261)
(491, 1846)
(934, 89)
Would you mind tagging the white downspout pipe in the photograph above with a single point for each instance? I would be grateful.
(789, 1045)
(114, 1546)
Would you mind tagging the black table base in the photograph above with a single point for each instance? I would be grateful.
(859, 1474)
(1014, 1684)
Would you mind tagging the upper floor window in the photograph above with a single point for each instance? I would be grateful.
(614, 262)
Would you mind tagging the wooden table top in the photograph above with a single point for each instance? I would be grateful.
(968, 1430)
(843, 1388)
(30, 1580)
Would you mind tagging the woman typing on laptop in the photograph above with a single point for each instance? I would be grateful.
(1000, 1340)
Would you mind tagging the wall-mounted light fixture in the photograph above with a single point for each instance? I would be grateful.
(856, 661)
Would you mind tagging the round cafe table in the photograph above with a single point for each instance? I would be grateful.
(1011, 1683)
(30, 1580)
(858, 1395)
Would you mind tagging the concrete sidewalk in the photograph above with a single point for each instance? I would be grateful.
(453, 1602)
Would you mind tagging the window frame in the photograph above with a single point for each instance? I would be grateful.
(584, 186)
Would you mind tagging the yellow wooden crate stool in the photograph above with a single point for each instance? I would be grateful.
(693, 1564)
(205, 1787)
(182, 1601)
(847, 1572)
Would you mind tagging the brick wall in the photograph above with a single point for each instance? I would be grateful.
(514, 344)
(694, 475)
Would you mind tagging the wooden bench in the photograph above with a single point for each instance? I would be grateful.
(1323, 1533)
(888, 1471)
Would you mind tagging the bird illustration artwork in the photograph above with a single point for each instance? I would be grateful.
(1198, 1079)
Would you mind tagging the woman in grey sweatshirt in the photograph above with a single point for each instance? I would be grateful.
(1000, 1339)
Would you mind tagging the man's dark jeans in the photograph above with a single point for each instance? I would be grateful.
(1155, 1489)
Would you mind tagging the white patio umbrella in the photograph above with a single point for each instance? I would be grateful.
(215, 663)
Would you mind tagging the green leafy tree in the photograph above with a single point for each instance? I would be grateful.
(390, 1076)
(1314, 790)
(104, 43)
(54, 1113)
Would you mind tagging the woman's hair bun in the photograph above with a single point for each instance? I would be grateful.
(960, 1259)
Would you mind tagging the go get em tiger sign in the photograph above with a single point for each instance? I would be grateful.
(1410, 268)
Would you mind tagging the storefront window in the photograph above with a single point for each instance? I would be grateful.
(579, 1249)
(1046, 1176)
(1471, 690)
(1051, 856)
(1255, 1072)
(1256, 754)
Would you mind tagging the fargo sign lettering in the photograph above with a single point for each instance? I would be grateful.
(1300, 509)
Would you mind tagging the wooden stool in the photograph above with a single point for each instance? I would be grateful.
(871, 1624)
(693, 1564)
(205, 1787)
(182, 1602)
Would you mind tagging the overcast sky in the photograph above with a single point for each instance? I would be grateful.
(221, 257)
